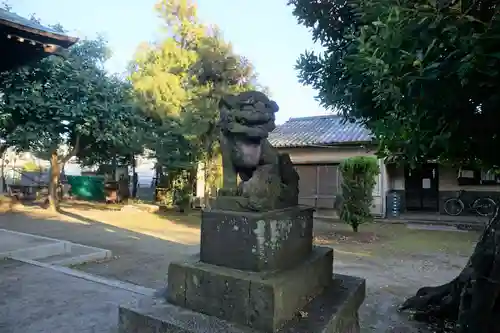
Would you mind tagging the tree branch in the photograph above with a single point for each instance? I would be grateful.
(73, 151)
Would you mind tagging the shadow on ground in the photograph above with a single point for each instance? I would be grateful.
(139, 257)
(88, 205)
(144, 245)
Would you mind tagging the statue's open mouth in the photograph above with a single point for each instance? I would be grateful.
(268, 179)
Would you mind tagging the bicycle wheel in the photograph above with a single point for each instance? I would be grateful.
(484, 206)
(453, 206)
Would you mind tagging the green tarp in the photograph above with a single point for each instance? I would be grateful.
(87, 187)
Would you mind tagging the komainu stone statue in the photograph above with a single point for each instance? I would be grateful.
(267, 179)
(258, 270)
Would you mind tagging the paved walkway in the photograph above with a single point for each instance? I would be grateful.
(35, 299)
(18, 245)
(142, 244)
(145, 244)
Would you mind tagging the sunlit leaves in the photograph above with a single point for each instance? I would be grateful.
(180, 80)
(50, 104)
(415, 72)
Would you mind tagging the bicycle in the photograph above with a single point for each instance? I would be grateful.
(484, 206)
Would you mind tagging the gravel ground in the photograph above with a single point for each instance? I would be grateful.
(390, 281)
(144, 244)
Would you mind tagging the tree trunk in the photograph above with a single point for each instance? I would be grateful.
(55, 172)
(207, 184)
(134, 178)
(3, 150)
(471, 300)
(158, 174)
(135, 182)
(113, 167)
(56, 165)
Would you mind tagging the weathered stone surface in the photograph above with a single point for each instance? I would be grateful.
(230, 203)
(272, 240)
(261, 300)
(334, 311)
(268, 179)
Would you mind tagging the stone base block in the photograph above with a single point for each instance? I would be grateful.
(273, 240)
(334, 311)
(261, 300)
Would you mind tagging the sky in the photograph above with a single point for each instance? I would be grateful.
(264, 31)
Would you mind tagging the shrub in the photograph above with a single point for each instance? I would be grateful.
(182, 198)
(358, 175)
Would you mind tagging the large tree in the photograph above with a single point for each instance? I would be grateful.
(423, 76)
(180, 80)
(126, 137)
(62, 108)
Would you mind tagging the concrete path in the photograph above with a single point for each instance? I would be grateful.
(143, 244)
(396, 263)
(23, 246)
(35, 300)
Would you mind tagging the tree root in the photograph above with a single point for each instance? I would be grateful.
(436, 303)
(471, 300)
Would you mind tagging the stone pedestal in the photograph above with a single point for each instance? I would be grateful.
(261, 300)
(256, 272)
(274, 240)
(333, 311)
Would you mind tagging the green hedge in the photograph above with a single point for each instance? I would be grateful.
(359, 178)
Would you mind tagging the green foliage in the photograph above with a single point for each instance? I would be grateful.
(421, 74)
(176, 191)
(213, 175)
(182, 197)
(67, 106)
(125, 137)
(70, 102)
(51, 105)
(359, 178)
(180, 81)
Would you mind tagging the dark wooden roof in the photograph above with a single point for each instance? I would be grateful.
(23, 40)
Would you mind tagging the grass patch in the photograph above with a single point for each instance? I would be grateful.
(190, 218)
(407, 241)
(381, 239)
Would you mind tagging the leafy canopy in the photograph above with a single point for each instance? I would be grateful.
(422, 75)
(67, 102)
(180, 81)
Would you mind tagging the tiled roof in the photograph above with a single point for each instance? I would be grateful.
(19, 22)
(318, 130)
